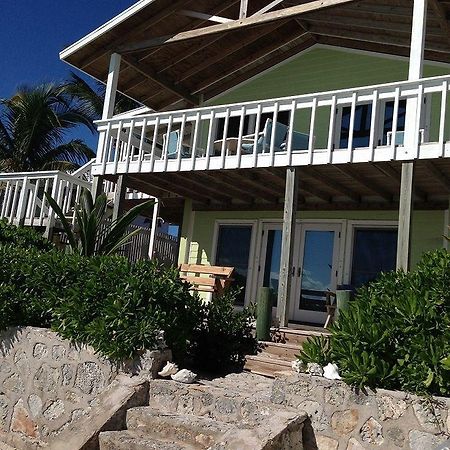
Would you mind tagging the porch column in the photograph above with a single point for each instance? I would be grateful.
(411, 136)
(187, 231)
(119, 197)
(108, 112)
(151, 247)
(287, 245)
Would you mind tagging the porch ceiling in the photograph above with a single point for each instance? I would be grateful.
(171, 60)
(354, 186)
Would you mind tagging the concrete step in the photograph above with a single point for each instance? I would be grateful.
(267, 365)
(287, 352)
(195, 430)
(139, 440)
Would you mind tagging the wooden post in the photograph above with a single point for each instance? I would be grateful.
(119, 197)
(410, 140)
(287, 245)
(243, 9)
(151, 247)
(108, 111)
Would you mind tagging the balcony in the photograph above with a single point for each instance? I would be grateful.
(319, 129)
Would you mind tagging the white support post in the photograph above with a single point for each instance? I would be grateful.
(108, 112)
(243, 10)
(287, 245)
(151, 247)
(411, 136)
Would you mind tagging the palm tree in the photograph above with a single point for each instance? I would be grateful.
(34, 125)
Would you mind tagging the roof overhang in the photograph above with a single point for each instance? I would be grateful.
(174, 57)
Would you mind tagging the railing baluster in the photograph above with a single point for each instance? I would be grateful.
(255, 142)
(106, 150)
(241, 132)
(418, 120)
(195, 139)
(5, 199)
(274, 130)
(9, 207)
(291, 132)
(155, 138)
(442, 117)
(224, 137)
(166, 146)
(118, 148)
(14, 202)
(311, 131)
(33, 203)
(128, 152)
(180, 141)
(77, 200)
(211, 136)
(373, 124)
(44, 200)
(351, 128)
(141, 145)
(331, 129)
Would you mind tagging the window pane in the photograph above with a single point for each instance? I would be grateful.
(374, 251)
(233, 250)
(389, 115)
(272, 263)
(361, 130)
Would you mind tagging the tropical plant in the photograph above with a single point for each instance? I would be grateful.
(24, 237)
(396, 332)
(93, 233)
(34, 124)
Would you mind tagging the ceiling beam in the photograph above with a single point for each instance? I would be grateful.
(147, 71)
(441, 15)
(267, 8)
(286, 13)
(365, 181)
(437, 175)
(203, 16)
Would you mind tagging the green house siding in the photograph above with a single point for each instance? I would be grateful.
(426, 234)
(324, 69)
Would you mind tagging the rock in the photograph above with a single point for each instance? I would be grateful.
(40, 350)
(35, 405)
(390, 408)
(54, 410)
(396, 435)
(58, 352)
(326, 443)
(46, 378)
(344, 422)
(372, 432)
(330, 371)
(14, 383)
(428, 416)
(353, 444)
(169, 369)
(298, 366)
(314, 369)
(418, 440)
(184, 376)
(21, 421)
(89, 378)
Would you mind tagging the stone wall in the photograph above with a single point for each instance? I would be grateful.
(346, 419)
(48, 386)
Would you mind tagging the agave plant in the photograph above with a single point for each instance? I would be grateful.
(92, 234)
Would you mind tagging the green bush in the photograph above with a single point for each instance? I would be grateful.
(104, 301)
(224, 337)
(23, 237)
(396, 332)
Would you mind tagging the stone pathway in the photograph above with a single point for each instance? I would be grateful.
(233, 412)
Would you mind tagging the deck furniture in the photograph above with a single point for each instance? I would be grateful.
(265, 137)
(172, 145)
(212, 279)
(400, 137)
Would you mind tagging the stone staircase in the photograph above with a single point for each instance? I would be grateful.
(232, 413)
(276, 356)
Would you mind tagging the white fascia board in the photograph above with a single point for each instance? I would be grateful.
(129, 12)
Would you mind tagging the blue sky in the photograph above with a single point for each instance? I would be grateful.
(33, 32)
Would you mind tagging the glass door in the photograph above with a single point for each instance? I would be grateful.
(316, 274)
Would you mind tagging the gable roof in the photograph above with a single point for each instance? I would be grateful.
(173, 60)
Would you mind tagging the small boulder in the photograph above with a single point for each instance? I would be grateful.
(168, 369)
(330, 371)
(184, 376)
(314, 369)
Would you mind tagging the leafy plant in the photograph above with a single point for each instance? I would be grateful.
(92, 233)
(396, 332)
(316, 349)
(23, 237)
(224, 337)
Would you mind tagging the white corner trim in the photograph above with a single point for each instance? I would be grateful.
(121, 17)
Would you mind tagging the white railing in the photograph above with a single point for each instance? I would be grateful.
(189, 139)
(22, 199)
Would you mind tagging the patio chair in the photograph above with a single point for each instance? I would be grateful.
(300, 141)
(265, 136)
(173, 144)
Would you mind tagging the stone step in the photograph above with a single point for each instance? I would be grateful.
(287, 352)
(139, 440)
(195, 430)
(267, 365)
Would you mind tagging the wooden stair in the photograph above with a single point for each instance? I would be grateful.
(276, 356)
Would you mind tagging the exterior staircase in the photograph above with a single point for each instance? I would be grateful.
(276, 355)
(231, 414)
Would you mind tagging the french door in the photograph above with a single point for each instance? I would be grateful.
(314, 267)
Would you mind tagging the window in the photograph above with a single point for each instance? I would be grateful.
(272, 263)
(374, 251)
(233, 250)
(361, 127)
(388, 118)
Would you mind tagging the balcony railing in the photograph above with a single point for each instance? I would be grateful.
(322, 128)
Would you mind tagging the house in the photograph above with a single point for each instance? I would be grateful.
(305, 143)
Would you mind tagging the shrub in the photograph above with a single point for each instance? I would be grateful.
(23, 237)
(224, 337)
(396, 332)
